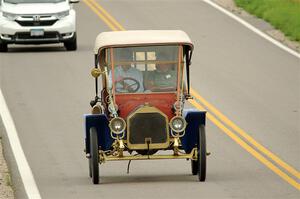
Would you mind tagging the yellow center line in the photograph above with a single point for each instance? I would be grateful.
(247, 147)
(115, 26)
(111, 19)
(228, 122)
(87, 2)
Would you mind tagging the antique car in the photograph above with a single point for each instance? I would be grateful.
(142, 83)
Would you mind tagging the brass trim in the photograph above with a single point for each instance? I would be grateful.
(148, 109)
(96, 109)
(192, 156)
(111, 128)
(96, 72)
(184, 124)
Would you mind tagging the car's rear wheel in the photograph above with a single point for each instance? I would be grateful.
(94, 159)
(71, 45)
(201, 154)
(3, 46)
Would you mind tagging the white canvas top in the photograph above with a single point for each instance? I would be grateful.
(140, 37)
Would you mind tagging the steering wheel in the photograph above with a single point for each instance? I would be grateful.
(127, 84)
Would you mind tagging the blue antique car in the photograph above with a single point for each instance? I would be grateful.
(142, 83)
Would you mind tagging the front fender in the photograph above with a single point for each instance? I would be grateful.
(100, 122)
(194, 119)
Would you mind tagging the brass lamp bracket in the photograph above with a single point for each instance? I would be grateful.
(176, 145)
(121, 147)
(96, 72)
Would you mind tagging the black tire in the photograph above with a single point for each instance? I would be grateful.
(71, 45)
(201, 155)
(90, 167)
(94, 159)
(3, 46)
(194, 166)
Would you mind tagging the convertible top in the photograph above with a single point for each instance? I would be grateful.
(140, 37)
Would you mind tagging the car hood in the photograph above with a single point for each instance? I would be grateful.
(35, 8)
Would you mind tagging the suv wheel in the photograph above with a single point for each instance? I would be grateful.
(71, 44)
(3, 46)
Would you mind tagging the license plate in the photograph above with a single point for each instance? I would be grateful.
(36, 32)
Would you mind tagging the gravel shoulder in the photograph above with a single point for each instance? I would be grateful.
(6, 190)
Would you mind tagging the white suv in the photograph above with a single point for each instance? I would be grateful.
(37, 22)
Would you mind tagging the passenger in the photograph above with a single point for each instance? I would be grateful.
(164, 78)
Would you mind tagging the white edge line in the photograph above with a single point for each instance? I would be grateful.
(249, 26)
(22, 164)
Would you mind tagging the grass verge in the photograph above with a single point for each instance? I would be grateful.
(282, 14)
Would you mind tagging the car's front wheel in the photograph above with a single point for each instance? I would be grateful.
(194, 165)
(199, 166)
(3, 46)
(94, 159)
(71, 45)
(90, 167)
(201, 154)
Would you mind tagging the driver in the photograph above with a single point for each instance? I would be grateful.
(127, 78)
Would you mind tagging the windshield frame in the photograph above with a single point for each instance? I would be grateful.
(179, 64)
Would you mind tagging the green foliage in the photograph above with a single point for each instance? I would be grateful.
(282, 14)
(7, 180)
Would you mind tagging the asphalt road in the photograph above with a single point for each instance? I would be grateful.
(250, 80)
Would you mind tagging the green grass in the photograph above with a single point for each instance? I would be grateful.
(7, 179)
(282, 14)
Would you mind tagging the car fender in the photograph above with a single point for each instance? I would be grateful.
(194, 119)
(100, 122)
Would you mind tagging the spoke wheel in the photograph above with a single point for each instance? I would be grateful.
(194, 166)
(94, 159)
(201, 154)
(90, 167)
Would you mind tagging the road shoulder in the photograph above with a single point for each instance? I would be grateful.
(259, 24)
(6, 190)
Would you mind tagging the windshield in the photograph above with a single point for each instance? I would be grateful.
(33, 1)
(144, 69)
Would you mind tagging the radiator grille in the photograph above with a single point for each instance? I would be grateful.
(148, 126)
